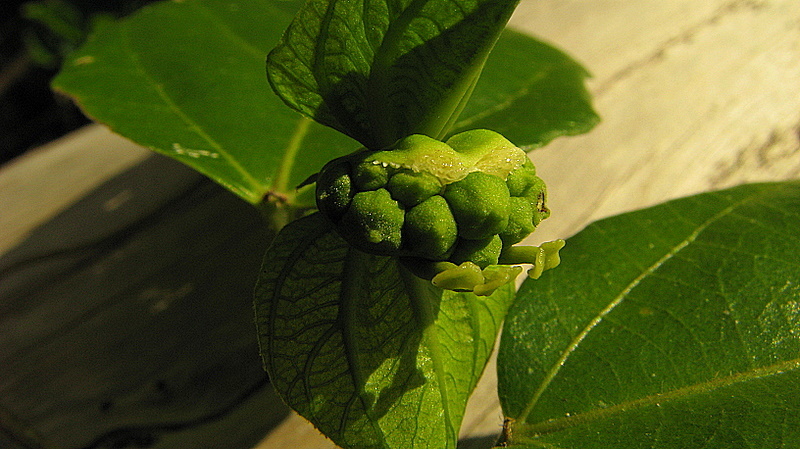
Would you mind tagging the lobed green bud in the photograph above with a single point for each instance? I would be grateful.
(370, 175)
(524, 183)
(480, 203)
(375, 221)
(411, 188)
(520, 221)
(483, 252)
(521, 181)
(446, 209)
(430, 229)
(334, 190)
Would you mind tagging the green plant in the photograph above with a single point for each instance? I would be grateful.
(671, 327)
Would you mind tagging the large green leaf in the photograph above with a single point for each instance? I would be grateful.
(677, 326)
(187, 80)
(530, 92)
(373, 356)
(381, 70)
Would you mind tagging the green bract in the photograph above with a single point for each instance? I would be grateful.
(463, 202)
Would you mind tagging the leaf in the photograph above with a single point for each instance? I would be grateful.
(677, 326)
(381, 70)
(59, 17)
(530, 92)
(187, 80)
(371, 355)
(160, 79)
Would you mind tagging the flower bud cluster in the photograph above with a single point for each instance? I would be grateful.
(465, 200)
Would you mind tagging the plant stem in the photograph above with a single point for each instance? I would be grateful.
(276, 212)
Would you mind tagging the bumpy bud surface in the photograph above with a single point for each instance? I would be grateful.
(483, 252)
(370, 176)
(375, 221)
(454, 206)
(430, 229)
(480, 204)
(411, 188)
(334, 190)
(520, 221)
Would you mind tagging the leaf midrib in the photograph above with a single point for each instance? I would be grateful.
(281, 177)
(228, 31)
(561, 361)
(191, 124)
(510, 99)
(280, 182)
(353, 282)
(384, 56)
(558, 424)
(426, 319)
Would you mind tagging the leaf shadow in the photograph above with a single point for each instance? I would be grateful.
(402, 337)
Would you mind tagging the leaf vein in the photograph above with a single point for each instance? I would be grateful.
(617, 300)
(709, 386)
(228, 31)
(173, 107)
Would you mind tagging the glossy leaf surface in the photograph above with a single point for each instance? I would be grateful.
(530, 92)
(677, 326)
(371, 355)
(382, 70)
(187, 80)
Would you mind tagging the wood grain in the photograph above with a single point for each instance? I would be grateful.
(36, 186)
(694, 96)
(127, 318)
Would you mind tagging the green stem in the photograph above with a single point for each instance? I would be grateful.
(281, 181)
(276, 213)
(276, 207)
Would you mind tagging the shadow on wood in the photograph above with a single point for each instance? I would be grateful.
(126, 321)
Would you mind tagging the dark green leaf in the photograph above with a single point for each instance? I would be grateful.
(676, 327)
(530, 92)
(61, 18)
(162, 79)
(373, 356)
(187, 80)
(382, 70)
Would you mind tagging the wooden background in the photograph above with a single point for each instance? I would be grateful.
(694, 95)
